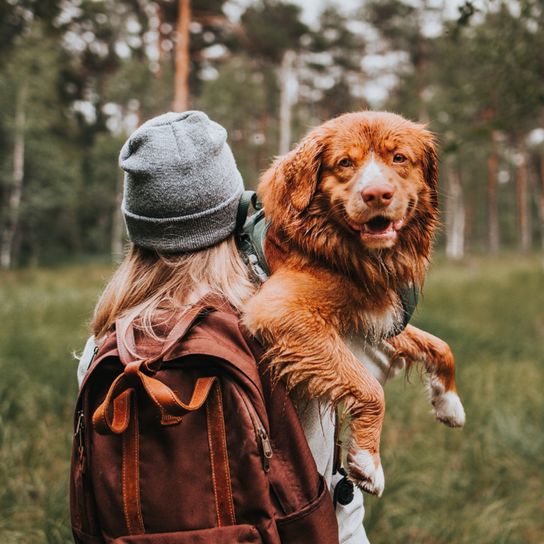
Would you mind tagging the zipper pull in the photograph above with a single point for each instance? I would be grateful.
(80, 425)
(267, 448)
(95, 351)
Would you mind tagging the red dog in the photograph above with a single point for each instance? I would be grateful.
(353, 210)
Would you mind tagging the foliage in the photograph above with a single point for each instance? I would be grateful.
(261, 23)
(96, 69)
(444, 485)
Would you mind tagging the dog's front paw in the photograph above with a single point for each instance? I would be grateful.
(448, 409)
(365, 470)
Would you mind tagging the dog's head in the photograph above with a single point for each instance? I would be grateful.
(360, 188)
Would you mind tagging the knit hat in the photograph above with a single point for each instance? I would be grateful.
(182, 186)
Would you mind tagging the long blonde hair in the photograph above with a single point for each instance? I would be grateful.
(147, 284)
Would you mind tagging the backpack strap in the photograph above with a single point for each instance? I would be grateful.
(250, 235)
(409, 296)
(248, 199)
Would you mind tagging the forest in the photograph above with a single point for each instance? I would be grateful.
(77, 76)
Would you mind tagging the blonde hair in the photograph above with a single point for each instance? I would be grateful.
(148, 285)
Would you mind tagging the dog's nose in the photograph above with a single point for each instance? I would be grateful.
(378, 195)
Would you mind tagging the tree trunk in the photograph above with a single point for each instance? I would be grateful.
(183, 60)
(492, 201)
(455, 215)
(160, 16)
(16, 189)
(522, 202)
(540, 196)
(541, 201)
(261, 156)
(287, 86)
(117, 227)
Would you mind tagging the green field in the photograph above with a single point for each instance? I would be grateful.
(482, 485)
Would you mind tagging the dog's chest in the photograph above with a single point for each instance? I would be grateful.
(375, 356)
(367, 344)
(379, 324)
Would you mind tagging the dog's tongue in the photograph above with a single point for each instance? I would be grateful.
(378, 225)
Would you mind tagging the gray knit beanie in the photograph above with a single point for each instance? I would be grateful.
(182, 187)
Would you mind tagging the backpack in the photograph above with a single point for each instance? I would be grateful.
(188, 441)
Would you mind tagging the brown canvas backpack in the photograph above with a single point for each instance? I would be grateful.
(186, 441)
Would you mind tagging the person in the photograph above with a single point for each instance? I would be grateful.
(181, 195)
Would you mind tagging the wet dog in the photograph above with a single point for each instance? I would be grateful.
(353, 210)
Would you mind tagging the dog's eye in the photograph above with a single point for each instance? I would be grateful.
(398, 158)
(345, 163)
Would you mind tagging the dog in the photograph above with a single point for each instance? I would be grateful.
(353, 210)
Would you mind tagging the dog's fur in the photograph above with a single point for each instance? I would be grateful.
(333, 278)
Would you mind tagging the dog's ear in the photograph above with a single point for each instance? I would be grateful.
(292, 180)
(300, 170)
(430, 166)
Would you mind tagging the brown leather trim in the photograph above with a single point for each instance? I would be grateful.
(113, 415)
(219, 459)
(131, 474)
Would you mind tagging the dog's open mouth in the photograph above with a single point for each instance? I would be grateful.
(379, 228)
(377, 225)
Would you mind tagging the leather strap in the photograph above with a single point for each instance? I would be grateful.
(132, 508)
(219, 459)
(113, 415)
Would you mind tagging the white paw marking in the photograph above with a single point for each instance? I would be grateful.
(447, 405)
(448, 409)
(365, 473)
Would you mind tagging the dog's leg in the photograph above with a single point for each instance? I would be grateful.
(306, 350)
(420, 346)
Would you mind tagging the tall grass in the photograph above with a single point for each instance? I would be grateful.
(482, 485)
(42, 316)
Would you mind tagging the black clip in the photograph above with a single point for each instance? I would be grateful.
(344, 490)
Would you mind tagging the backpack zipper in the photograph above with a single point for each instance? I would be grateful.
(80, 424)
(95, 351)
(80, 427)
(266, 448)
(260, 432)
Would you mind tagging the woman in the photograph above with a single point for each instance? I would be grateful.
(181, 195)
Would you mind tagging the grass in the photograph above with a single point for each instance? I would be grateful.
(482, 485)
(43, 315)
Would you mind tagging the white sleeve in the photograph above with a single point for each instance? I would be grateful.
(85, 359)
(318, 422)
(350, 517)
